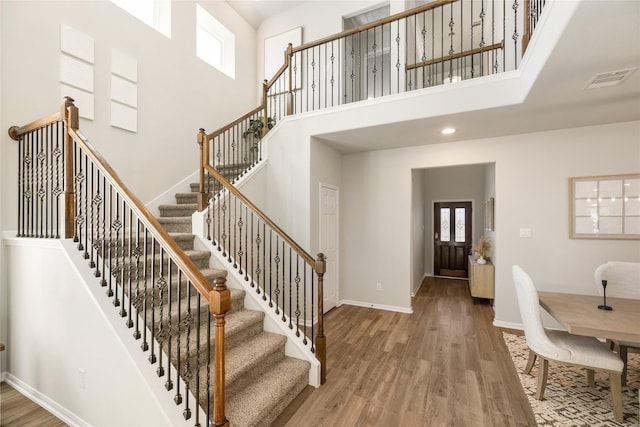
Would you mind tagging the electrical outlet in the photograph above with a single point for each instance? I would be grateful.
(525, 232)
(379, 286)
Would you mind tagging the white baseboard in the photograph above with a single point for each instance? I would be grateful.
(508, 325)
(3, 376)
(376, 306)
(41, 400)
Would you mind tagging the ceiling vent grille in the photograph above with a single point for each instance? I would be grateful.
(610, 78)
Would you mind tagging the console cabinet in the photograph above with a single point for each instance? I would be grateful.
(481, 279)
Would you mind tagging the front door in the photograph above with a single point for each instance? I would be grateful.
(452, 238)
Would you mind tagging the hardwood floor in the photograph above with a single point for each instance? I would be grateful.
(443, 365)
(18, 410)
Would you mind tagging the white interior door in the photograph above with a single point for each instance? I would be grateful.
(329, 243)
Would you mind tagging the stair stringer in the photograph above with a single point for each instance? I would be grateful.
(253, 301)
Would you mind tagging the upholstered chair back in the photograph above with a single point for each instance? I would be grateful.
(534, 331)
(623, 279)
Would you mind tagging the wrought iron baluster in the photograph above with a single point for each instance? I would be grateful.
(304, 303)
(515, 33)
(297, 312)
(187, 370)
(313, 349)
(290, 290)
(103, 254)
(111, 244)
(257, 270)
(482, 43)
(163, 327)
(152, 296)
(138, 301)
(116, 270)
(277, 290)
(145, 271)
(168, 385)
(248, 248)
(179, 329)
(198, 355)
(130, 256)
(209, 358)
(451, 51)
(284, 319)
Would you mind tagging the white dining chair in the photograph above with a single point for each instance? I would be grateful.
(623, 281)
(561, 346)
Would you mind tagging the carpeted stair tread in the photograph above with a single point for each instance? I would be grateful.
(175, 224)
(260, 403)
(177, 210)
(249, 359)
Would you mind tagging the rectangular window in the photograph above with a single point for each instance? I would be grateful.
(445, 225)
(215, 44)
(154, 13)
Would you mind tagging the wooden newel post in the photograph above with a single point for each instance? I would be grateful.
(219, 304)
(69, 114)
(204, 155)
(527, 29)
(321, 340)
(288, 55)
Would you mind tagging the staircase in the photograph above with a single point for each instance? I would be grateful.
(260, 380)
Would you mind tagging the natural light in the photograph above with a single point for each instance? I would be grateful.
(154, 13)
(215, 44)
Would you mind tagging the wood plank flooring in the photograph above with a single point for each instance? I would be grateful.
(17, 410)
(443, 365)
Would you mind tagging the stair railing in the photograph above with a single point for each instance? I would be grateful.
(164, 297)
(288, 279)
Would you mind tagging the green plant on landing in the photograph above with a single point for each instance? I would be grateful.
(255, 130)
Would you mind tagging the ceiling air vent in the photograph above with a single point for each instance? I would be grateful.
(610, 78)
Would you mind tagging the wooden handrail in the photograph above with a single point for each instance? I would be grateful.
(183, 262)
(308, 258)
(15, 132)
(455, 56)
(382, 21)
(235, 122)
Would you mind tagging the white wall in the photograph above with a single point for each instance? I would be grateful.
(529, 193)
(177, 92)
(57, 325)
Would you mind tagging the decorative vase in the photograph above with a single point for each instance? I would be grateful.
(481, 260)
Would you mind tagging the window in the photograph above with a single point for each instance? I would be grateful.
(215, 44)
(154, 13)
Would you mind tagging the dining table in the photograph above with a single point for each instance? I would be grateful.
(580, 315)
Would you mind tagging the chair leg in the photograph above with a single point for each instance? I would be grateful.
(622, 352)
(591, 382)
(530, 362)
(543, 368)
(616, 396)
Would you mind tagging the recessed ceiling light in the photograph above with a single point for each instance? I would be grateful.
(447, 131)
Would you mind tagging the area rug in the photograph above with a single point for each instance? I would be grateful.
(568, 400)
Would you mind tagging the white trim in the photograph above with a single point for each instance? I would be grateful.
(169, 196)
(376, 306)
(415, 291)
(508, 325)
(45, 402)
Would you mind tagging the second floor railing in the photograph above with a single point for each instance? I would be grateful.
(67, 190)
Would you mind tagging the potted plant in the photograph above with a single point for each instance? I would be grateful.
(482, 249)
(255, 130)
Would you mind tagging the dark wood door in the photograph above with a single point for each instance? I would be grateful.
(452, 238)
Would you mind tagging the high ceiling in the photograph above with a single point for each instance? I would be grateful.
(256, 11)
